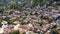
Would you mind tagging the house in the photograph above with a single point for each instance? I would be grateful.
(1, 30)
(21, 30)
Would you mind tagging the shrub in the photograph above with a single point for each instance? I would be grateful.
(50, 20)
(15, 32)
(0, 24)
(22, 23)
(54, 31)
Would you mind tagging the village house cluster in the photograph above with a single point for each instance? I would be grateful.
(39, 20)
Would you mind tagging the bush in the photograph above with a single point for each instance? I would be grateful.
(7, 19)
(15, 32)
(14, 19)
(22, 23)
(0, 24)
(54, 31)
(50, 20)
(1, 10)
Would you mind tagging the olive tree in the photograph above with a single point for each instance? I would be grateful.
(15, 32)
(54, 31)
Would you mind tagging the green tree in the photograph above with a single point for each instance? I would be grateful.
(50, 20)
(0, 24)
(15, 32)
(54, 31)
(0, 20)
(22, 23)
(8, 20)
(39, 2)
(16, 5)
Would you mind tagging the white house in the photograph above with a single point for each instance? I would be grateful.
(1, 30)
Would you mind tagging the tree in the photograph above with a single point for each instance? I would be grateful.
(16, 5)
(0, 20)
(1, 10)
(39, 2)
(15, 32)
(54, 31)
(0, 24)
(22, 23)
(50, 20)
(8, 20)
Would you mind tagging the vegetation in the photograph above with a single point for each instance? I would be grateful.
(22, 23)
(54, 31)
(56, 4)
(8, 20)
(15, 32)
(19, 4)
(15, 5)
(1, 10)
(0, 20)
(50, 20)
(0, 24)
(13, 20)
